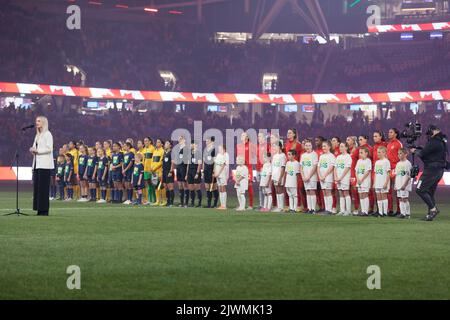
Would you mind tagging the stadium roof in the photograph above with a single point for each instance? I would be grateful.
(253, 16)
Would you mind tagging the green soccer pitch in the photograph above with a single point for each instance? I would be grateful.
(160, 253)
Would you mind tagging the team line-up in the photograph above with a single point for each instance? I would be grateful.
(312, 173)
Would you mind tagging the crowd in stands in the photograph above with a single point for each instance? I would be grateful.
(36, 47)
(119, 125)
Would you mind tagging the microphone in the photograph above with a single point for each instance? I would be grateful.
(31, 126)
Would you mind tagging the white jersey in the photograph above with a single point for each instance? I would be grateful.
(403, 173)
(343, 162)
(266, 172)
(307, 162)
(362, 167)
(382, 168)
(241, 173)
(326, 161)
(278, 162)
(219, 161)
(292, 170)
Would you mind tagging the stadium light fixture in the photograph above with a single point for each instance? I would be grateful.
(122, 6)
(96, 3)
(175, 12)
(154, 10)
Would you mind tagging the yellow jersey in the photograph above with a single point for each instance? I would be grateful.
(74, 153)
(157, 161)
(148, 155)
(108, 153)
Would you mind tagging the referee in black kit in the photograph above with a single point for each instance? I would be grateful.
(434, 157)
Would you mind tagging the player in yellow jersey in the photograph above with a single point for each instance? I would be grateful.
(156, 170)
(74, 152)
(148, 155)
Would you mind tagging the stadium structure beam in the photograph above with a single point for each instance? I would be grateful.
(246, 6)
(269, 18)
(297, 9)
(315, 16)
(322, 17)
(199, 11)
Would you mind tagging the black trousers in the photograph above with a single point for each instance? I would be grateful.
(41, 190)
(426, 187)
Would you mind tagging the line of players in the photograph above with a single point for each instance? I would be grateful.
(292, 173)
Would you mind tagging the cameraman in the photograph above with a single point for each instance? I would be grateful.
(433, 156)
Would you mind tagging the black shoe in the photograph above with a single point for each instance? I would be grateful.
(207, 207)
(403, 216)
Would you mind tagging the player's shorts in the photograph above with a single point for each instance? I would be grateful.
(102, 182)
(208, 175)
(91, 179)
(267, 190)
(192, 180)
(221, 181)
(140, 186)
(326, 185)
(310, 185)
(147, 176)
(127, 176)
(81, 176)
(70, 182)
(181, 173)
(117, 176)
(343, 186)
(166, 178)
(241, 189)
(382, 190)
(363, 190)
(61, 183)
(275, 183)
(402, 194)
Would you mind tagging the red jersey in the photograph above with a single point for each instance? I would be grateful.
(392, 152)
(248, 151)
(294, 145)
(368, 147)
(375, 150)
(262, 150)
(319, 152)
(336, 152)
(354, 153)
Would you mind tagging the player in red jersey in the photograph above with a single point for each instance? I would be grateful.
(248, 151)
(335, 142)
(354, 153)
(393, 146)
(320, 198)
(292, 143)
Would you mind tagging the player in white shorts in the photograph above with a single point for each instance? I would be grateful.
(278, 167)
(308, 170)
(381, 184)
(403, 182)
(363, 176)
(265, 183)
(326, 175)
(342, 177)
(291, 178)
(221, 172)
(241, 184)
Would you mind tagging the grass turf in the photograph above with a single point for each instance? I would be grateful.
(160, 253)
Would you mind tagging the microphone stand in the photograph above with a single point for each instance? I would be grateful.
(17, 212)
